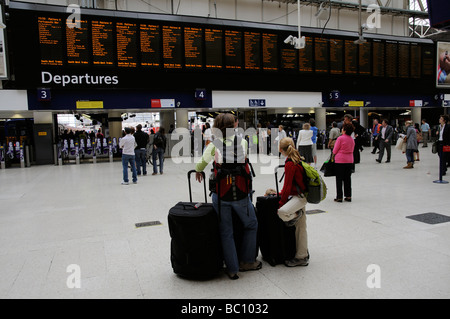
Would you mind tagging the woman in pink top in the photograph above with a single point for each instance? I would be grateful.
(343, 157)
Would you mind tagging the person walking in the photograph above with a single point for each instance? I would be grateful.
(375, 132)
(224, 133)
(411, 144)
(343, 158)
(140, 151)
(159, 147)
(385, 141)
(333, 135)
(425, 128)
(127, 144)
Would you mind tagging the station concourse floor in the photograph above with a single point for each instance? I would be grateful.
(52, 217)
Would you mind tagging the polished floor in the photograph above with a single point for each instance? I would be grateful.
(70, 232)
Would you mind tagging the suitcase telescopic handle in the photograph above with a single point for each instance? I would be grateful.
(189, 182)
(276, 178)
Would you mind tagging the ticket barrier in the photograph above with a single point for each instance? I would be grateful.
(14, 152)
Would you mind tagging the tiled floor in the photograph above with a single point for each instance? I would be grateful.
(54, 217)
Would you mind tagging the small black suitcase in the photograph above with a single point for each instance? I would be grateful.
(195, 246)
(276, 240)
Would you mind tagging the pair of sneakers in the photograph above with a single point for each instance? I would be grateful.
(294, 262)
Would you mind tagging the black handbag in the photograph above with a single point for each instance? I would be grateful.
(434, 148)
(328, 168)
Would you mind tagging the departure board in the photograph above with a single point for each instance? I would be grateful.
(172, 47)
(378, 59)
(415, 69)
(102, 43)
(233, 49)
(77, 38)
(289, 59)
(391, 59)
(213, 48)
(126, 44)
(270, 51)
(252, 49)
(150, 40)
(351, 57)
(428, 61)
(321, 55)
(193, 47)
(306, 56)
(364, 66)
(336, 56)
(404, 60)
(50, 41)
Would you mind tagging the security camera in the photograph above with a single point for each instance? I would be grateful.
(289, 40)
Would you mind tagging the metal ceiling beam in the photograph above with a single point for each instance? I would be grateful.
(354, 6)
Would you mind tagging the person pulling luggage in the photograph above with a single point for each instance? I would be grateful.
(292, 204)
(232, 193)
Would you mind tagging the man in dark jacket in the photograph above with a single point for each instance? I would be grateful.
(385, 140)
(141, 150)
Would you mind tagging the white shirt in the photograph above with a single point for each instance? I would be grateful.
(128, 144)
(207, 136)
(304, 137)
(281, 135)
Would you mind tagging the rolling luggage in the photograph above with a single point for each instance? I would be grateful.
(195, 242)
(276, 240)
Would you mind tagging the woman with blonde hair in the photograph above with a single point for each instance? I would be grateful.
(292, 201)
(304, 143)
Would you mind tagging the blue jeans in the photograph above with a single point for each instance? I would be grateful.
(125, 160)
(246, 212)
(410, 156)
(160, 153)
(141, 160)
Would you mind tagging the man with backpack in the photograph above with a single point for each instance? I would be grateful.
(231, 188)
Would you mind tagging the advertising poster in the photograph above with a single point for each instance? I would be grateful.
(443, 65)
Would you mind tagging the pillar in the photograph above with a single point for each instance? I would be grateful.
(416, 115)
(321, 118)
(166, 118)
(115, 124)
(182, 118)
(364, 117)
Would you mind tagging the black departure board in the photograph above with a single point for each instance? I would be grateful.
(270, 51)
(77, 39)
(415, 69)
(336, 56)
(289, 59)
(351, 57)
(428, 61)
(378, 58)
(391, 59)
(306, 56)
(404, 60)
(126, 44)
(193, 47)
(233, 50)
(252, 49)
(172, 47)
(364, 65)
(102, 42)
(321, 55)
(50, 40)
(213, 48)
(150, 41)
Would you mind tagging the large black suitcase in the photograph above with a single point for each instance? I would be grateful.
(195, 245)
(276, 240)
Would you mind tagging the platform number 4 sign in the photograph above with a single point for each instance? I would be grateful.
(200, 94)
(44, 94)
